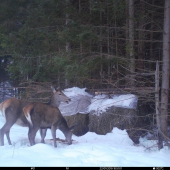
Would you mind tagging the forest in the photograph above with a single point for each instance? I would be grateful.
(97, 44)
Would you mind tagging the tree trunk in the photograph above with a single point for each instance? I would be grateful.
(165, 71)
(157, 106)
(127, 27)
(100, 44)
(67, 22)
(151, 34)
(141, 35)
(67, 43)
(108, 45)
(131, 43)
(81, 46)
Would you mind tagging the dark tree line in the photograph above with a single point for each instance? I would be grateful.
(83, 42)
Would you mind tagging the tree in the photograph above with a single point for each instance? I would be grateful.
(131, 43)
(165, 72)
(84, 42)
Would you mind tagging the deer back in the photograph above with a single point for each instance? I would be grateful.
(12, 109)
(42, 115)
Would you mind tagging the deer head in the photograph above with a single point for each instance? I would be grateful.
(58, 97)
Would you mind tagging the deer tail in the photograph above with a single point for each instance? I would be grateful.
(27, 112)
(3, 107)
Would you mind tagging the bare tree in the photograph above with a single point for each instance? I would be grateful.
(165, 71)
(140, 36)
(67, 43)
(131, 41)
(157, 106)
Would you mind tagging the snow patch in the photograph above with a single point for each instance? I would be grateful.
(83, 102)
(101, 102)
(75, 91)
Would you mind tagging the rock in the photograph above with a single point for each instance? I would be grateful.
(81, 121)
(122, 118)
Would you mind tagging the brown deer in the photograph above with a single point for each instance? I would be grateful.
(42, 116)
(12, 110)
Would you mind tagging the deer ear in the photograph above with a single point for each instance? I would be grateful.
(72, 127)
(53, 89)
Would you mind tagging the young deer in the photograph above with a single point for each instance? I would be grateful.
(42, 116)
(12, 110)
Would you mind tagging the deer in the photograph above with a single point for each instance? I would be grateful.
(12, 110)
(42, 116)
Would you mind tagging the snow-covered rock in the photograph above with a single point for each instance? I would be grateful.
(82, 102)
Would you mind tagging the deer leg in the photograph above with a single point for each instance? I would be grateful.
(43, 134)
(1, 137)
(10, 120)
(53, 131)
(5, 130)
(31, 135)
(8, 138)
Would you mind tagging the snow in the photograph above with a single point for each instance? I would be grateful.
(101, 102)
(114, 149)
(82, 102)
(78, 104)
(75, 91)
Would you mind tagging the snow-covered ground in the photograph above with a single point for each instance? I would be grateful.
(114, 150)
